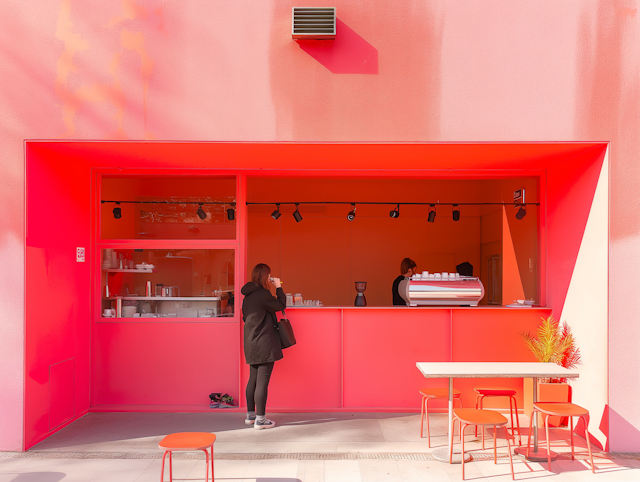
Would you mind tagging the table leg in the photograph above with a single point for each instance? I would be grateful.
(537, 454)
(442, 454)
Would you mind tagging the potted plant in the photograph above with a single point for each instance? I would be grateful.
(554, 343)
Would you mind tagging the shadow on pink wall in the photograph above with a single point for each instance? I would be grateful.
(349, 53)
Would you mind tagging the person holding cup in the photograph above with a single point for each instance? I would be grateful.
(262, 346)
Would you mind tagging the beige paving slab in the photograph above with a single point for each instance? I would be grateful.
(379, 471)
(181, 469)
(472, 471)
(272, 469)
(342, 471)
(79, 470)
(27, 467)
(313, 471)
(301, 469)
(231, 469)
(422, 471)
(123, 471)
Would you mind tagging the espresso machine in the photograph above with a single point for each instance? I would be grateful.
(361, 286)
(441, 291)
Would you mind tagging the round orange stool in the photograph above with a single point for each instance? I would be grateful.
(432, 394)
(482, 393)
(473, 416)
(187, 442)
(561, 409)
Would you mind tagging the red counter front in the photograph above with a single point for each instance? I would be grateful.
(346, 358)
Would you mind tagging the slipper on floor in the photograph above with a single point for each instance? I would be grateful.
(214, 400)
(226, 401)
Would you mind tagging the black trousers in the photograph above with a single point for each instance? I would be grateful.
(258, 387)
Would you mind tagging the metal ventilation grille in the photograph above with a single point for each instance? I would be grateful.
(314, 23)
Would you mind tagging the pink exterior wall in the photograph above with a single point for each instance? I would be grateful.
(446, 72)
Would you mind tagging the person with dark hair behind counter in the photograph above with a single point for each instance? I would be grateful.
(407, 269)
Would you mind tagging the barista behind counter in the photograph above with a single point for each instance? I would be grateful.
(407, 269)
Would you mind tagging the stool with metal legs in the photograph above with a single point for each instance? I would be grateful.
(561, 409)
(433, 394)
(482, 393)
(187, 442)
(484, 418)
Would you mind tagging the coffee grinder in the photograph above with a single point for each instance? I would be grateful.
(361, 286)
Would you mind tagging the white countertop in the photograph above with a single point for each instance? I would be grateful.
(494, 370)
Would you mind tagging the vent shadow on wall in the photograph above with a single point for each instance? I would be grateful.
(314, 23)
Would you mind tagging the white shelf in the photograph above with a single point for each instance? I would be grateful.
(167, 298)
(110, 270)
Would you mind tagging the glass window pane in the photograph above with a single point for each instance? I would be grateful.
(168, 283)
(168, 208)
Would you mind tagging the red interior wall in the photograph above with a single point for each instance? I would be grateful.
(323, 255)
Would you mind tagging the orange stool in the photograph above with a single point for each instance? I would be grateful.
(187, 442)
(561, 409)
(500, 392)
(432, 394)
(473, 416)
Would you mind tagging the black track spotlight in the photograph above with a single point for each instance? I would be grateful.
(201, 213)
(276, 214)
(296, 214)
(456, 213)
(432, 214)
(396, 212)
(522, 212)
(117, 212)
(231, 213)
(352, 214)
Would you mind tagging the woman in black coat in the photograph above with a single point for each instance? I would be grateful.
(261, 339)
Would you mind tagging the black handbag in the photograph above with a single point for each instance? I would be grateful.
(287, 338)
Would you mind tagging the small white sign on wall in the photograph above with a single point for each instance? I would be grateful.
(80, 255)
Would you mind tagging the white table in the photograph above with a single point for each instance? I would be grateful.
(533, 370)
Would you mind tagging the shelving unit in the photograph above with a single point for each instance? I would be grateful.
(158, 301)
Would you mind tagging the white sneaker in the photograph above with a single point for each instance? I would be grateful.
(249, 421)
(262, 424)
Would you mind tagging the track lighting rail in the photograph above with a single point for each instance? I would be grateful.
(396, 204)
(173, 202)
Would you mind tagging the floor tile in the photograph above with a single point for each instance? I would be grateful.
(342, 471)
(379, 471)
(278, 468)
(313, 471)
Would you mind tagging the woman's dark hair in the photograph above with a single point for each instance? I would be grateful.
(406, 265)
(260, 275)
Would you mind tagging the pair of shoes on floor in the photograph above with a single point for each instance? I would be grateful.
(221, 400)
